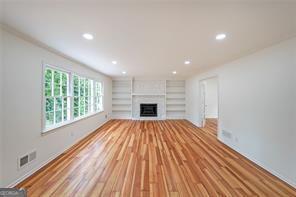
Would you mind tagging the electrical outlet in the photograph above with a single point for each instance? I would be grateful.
(226, 134)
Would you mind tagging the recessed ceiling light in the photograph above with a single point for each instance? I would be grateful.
(220, 37)
(114, 62)
(88, 36)
(187, 62)
(124, 72)
(174, 72)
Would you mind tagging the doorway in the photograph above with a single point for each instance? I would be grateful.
(209, 105)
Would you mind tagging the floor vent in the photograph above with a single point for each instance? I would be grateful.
(26, 159)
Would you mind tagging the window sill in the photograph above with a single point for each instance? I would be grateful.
(52, 129)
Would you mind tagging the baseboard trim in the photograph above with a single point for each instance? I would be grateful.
(43, 164)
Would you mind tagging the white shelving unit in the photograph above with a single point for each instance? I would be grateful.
(125, 90)
(121, 98)
(175, 99)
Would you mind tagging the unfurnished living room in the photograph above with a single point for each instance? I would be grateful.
(147, 98)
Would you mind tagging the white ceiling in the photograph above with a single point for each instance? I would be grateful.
(153, 38)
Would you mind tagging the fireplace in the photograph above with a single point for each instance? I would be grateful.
(148, 110)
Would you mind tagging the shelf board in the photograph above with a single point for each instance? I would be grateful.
(122, 98)
(176, 104)
(121, 110)
(121, 104)
(175, 92)
(147, 94)
(121, 92)
(175, 98)
(175, 110)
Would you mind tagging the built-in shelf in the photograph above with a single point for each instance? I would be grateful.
(175, 99)
(124, 93)
(121, 99)
(146, 94)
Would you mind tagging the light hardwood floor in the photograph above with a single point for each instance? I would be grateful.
(153, 158)
(211, 126)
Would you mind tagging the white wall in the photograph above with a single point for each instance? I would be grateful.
(257, 105)
(23, 108)
(211, 98)
(1, 109)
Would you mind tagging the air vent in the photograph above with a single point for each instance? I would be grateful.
(226, 134)
(26, 159)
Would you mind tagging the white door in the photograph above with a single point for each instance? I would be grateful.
(203, 103)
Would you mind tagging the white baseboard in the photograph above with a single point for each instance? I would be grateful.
(31, 172)
(212, 116)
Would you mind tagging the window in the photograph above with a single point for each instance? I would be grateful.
(68, 97)
(82, 92)
(98, 97)
(57, 99)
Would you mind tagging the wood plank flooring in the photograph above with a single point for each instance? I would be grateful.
(153, 158)
(211, 126)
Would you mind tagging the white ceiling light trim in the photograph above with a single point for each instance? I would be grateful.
(114, 62)
(187, 62)
(123, 72)
(88, 36)
(220, 36)
(174, 72)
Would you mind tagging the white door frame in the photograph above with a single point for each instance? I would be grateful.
(202, 100)
(202, 87)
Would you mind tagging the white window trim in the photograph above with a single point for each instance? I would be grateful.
(45, 129)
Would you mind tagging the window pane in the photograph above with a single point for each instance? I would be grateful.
(76, 91)
(82, 104)
(48, 76)
(76, 80)
(86, 87)
(58, 117)
(57, 85)
(86, 105)
(66, 102)
(76, 112)
(81, 87)
(48, 82)
(58, 103)
(76, 101)
(49, 105)
(82, 100)
(99, 88)
(64, 90)
(81, 110)
(64, 79)
(49, 119)
(66, 115)
(101, 103)
(47, 92)
(86, 109)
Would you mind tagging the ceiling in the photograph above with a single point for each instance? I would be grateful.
(153, 38)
